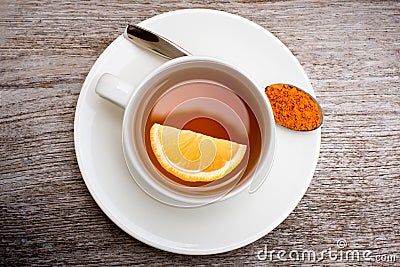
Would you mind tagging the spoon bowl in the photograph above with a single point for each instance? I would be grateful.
(294, 108)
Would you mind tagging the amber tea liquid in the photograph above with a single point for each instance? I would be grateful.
(210, 108)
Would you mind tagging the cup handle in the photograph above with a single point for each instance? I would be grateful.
(113, 89)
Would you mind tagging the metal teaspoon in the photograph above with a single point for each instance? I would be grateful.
(163, 47)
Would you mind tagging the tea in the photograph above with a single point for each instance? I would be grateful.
(210, 108)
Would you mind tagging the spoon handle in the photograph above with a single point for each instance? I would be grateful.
(153, 42)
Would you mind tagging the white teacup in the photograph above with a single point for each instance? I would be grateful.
(138, 103)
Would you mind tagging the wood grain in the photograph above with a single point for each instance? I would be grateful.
(351, 52)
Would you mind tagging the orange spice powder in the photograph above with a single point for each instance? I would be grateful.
(293, 108)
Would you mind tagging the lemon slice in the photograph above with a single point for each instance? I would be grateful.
(192, 156)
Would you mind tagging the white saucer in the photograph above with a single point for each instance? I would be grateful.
(218, 227)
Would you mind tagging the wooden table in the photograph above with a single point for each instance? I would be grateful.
(351, 52)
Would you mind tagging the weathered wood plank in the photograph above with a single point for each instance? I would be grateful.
(351, 52)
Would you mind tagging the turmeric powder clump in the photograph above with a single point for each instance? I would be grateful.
(293, 108)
